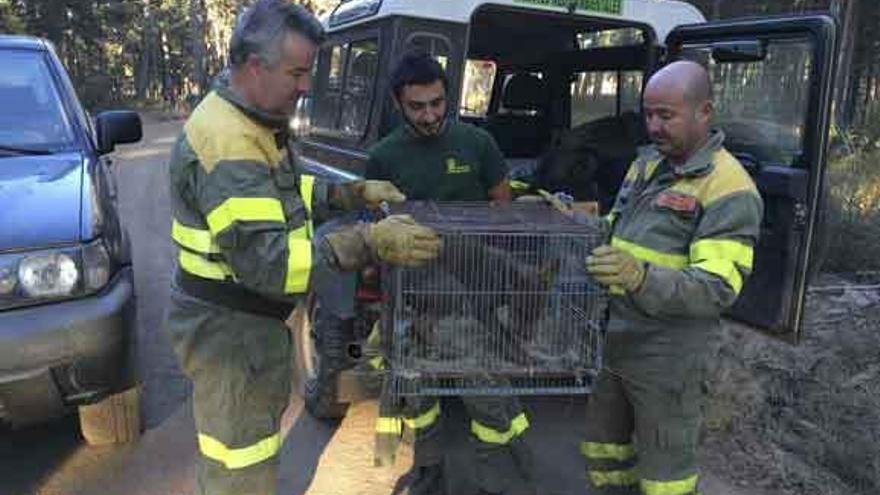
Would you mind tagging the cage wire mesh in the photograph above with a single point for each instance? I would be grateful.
(506, 309)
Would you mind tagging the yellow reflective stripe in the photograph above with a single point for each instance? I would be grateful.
(650, 168)
(199, 266)
(195, 239)
(307, 192)
(616, 290)
(678, 487)
(425, 419)
(626, 477)
(485, 434)
(300, 233)
(725, 269)
(375, 337)
(518, 185)
(299, 263)
(239, 458)
(378, 363)
(713, 249)
(388, 425)
(616, 451)
(674, 261)
(245, 210)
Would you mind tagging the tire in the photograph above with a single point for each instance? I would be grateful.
(114, 420)
(318, 361)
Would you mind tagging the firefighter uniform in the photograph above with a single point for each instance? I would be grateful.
(242, 227)
(462, 163)
(694, 226)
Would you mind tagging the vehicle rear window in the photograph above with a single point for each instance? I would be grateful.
(762, 105)
(599, 94)
(32, 115)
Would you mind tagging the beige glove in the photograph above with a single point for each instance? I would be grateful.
(370, 193)
(373, 192)
(399, 240)
(614, 266)
(555, 202)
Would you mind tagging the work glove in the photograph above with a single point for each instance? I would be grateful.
(397, 239)
(374, 192)
(613, 266)
(554, 201)
(369, 193)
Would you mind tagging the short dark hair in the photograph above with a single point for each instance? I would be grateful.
(417, 67)
(262, 28)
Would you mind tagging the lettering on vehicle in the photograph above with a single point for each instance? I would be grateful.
(607, 6)
(453, 166)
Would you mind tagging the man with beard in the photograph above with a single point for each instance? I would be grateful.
(431, 156)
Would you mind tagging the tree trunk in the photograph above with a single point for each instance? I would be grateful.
(846, 13)
(716, 9)
(197, 38)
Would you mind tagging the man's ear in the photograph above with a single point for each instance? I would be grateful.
(253, 65)
(705, 111)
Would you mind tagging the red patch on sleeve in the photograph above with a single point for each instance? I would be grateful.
(683, 203)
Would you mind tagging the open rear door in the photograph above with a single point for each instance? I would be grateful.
(772, 80)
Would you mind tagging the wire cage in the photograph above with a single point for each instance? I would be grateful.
(506, 309)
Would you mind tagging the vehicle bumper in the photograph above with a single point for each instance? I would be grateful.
(59, 355)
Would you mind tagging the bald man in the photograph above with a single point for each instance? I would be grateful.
(683, 230)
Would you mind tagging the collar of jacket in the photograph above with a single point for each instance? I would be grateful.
(700, 163)
(277, 122)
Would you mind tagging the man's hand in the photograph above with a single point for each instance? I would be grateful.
(374, 192)
(614, 266)
(399, 240)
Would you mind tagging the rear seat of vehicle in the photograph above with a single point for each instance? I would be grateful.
(521, 127)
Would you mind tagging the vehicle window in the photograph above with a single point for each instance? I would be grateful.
(610, 37)
(595, 95)
(762, 106)
(363, 56)
(329, 77)
(433, 44)
(32, 115)
(505, 84)
(479, 75)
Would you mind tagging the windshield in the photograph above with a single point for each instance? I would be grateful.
(32, 117)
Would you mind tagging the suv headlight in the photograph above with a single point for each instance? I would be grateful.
(54, 274)
(48, 275)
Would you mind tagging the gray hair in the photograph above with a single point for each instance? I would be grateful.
(262, 28)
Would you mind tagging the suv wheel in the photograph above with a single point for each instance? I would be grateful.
(114, 420)
(318, 361)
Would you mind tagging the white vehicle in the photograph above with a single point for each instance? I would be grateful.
(558, 84)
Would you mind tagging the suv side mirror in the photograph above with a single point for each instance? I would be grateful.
(117, 127)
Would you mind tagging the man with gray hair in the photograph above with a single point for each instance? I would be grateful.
(242, 223)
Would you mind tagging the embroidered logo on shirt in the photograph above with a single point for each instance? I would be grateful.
(453, 166)
(682, 203)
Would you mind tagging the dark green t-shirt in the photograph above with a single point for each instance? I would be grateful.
(461, 164)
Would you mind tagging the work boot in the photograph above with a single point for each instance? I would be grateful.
(428, 481)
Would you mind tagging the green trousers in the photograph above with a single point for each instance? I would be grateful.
(497, 426)
(643, 422)
(239, 364)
